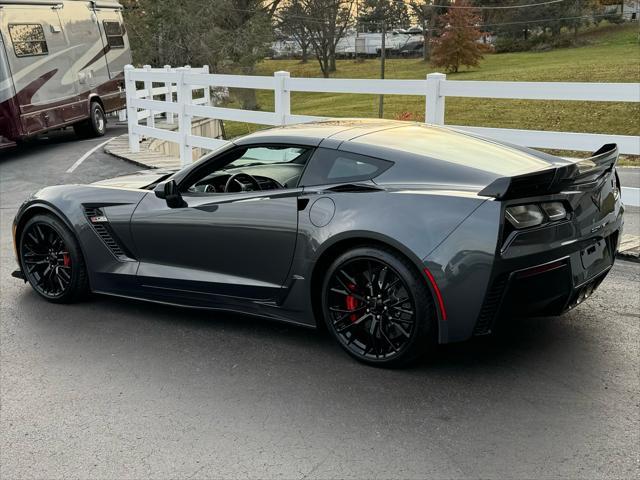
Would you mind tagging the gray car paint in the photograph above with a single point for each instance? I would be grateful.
(259, 252)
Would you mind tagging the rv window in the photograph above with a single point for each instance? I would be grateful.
(28, 39)
(114, 33)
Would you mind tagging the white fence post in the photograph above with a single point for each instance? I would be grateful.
(435, 102)
(282, 97)
(168, 97)
(148, 86)
(132, 112)
(207, 88)
(185, 97)
(122, 115)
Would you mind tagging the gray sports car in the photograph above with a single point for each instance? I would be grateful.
(392, 234)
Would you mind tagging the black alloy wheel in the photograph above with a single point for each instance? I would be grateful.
(51, 260)
(377, 307)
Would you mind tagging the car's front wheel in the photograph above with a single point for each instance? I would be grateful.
(378, 307)
(51, 260)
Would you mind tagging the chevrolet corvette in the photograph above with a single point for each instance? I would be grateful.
(392, 235)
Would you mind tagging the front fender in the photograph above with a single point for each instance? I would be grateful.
(68, 203)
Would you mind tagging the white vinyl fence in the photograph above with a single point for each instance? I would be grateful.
(435, 88)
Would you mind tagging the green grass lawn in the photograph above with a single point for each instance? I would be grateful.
(611, 55)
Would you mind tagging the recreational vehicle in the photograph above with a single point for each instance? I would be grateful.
(61, 64)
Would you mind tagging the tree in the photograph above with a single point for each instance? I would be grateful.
(526, 22)
(394, 13)
(458, 45)
(227, 35)
(291, 21)
(428, 12)
(326, 21)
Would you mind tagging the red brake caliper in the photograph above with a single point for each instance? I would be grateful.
(66, 259)
(351, 303)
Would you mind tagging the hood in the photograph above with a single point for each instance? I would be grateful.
(140, 179)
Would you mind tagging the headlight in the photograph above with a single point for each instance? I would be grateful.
(554, 210)
(524, 216)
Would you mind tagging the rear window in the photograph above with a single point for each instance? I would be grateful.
(115, 34)
(333, 166)
(28, 39)
(451, 147)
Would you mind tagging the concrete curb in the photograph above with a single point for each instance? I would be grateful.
(110, 151)
(629, 248)
(146, 158)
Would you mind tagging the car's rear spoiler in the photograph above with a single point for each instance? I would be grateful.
(555, 179)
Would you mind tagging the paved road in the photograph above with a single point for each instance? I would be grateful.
(122, 389)
(630, 179)
(630, 176)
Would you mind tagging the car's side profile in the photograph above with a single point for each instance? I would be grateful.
(392, 234)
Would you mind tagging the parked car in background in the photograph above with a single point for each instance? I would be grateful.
(61, 63)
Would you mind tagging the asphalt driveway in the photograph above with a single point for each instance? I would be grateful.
(112, 388)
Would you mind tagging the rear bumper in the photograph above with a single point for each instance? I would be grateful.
(525, 288)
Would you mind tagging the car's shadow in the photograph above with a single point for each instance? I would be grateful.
(234, 338)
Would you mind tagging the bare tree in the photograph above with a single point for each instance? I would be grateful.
(428, 12)
(326, 21)
(394, 13)
(291, 20)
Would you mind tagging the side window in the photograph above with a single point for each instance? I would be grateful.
(260, 167)
(114, 33)
(268, 155)
(333, 166)
(28, 39)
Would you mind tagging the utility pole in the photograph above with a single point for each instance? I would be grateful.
(382, 59)
(578, 14)
(426, 31)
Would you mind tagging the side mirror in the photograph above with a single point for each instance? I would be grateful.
(170, 193)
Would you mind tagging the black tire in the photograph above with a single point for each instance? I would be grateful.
(387, 336)
(95, 125)
(45, 241)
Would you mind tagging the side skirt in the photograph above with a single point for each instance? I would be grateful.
(216, 309)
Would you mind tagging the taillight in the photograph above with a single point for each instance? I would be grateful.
(532, 215)
(616, 187)
(523, 216)
(555, 211)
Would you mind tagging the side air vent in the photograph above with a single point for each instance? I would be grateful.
(101, 226)
(490, 306)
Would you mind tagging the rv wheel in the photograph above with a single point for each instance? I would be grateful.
(95, 125)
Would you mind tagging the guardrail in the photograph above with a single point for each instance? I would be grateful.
(435, 88)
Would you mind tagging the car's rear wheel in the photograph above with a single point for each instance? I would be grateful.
(378, 307)
(51, 260)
